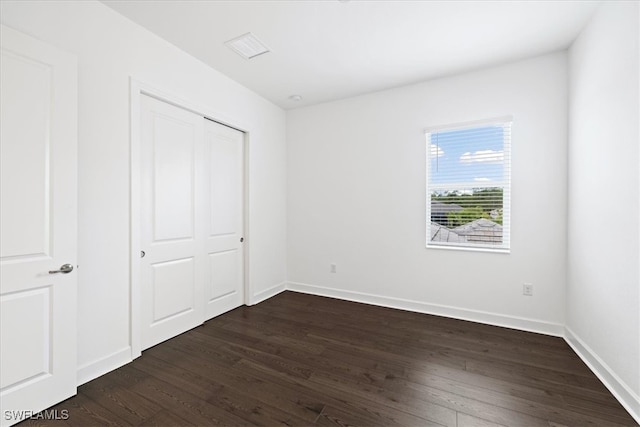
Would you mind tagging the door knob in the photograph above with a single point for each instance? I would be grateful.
(64, 269)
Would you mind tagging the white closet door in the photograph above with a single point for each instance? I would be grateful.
(38, 203)
(172, 213)
(224, 289)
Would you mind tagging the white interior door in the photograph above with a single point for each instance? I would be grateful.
(38, 231)
(192, 220)
(172, 217)
(224, 289)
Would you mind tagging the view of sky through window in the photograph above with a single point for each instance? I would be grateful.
(478, 159)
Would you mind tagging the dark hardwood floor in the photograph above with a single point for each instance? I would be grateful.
(302, 360)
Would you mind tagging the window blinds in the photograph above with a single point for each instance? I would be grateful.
(469, 186)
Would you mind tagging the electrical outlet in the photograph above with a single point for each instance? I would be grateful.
(332, 268)
(527, 289)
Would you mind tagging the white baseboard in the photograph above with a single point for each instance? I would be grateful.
(627, 398)
(268, 293)
(93, 370)
(513, 322)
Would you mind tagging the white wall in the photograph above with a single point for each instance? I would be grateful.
(356, 198)
(356, 185)
(603, 290)
(111, 48)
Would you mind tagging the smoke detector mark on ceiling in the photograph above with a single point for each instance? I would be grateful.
(247, 45)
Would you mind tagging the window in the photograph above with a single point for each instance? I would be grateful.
(469, 186)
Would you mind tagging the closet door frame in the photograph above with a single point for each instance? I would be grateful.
(137, 90)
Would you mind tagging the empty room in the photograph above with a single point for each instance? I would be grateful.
(332, 212)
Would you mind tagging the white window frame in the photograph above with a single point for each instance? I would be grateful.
(505, 247)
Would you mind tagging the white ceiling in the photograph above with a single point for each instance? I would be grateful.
(329, 49)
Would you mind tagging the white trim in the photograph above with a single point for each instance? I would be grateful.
(268, 293)
(452, 247)
(620, 390)
(135, 301)
(137, 89)
(246, 223)
(92, 370)
(495, 319)
(470, 124)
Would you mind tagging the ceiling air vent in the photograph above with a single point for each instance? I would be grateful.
(247, 45)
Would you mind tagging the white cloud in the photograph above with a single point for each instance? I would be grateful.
(436, 151)
(484, 156)
(479, 179)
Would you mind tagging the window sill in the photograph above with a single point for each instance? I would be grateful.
(470, 249)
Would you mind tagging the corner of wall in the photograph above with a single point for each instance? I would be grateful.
(629, 400)
(92, 370)
(268, 293)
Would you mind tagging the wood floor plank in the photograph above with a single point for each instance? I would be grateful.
(82, 411)
(530, 374)
(253, 411)
(303, 360)
(166, 418)
(466, 420)
(414, 400)
(269, 393)
(435, 338)
(361, 407)
(289, 302)
(546, 410)
(185, 403)
(337, 417)
(119, 400)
